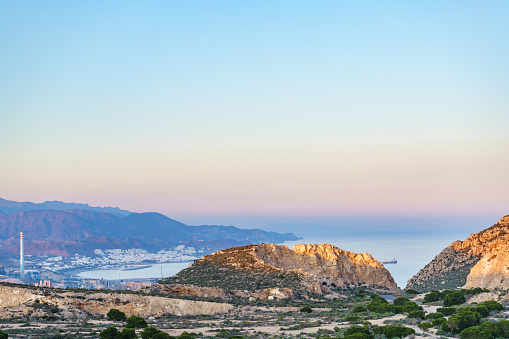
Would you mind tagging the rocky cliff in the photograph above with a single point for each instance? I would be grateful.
(482, 260)
(306, 268)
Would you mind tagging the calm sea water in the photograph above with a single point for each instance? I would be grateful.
(154, 271)
(383, 238)
(412, 250)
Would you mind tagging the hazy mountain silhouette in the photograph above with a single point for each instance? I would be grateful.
(72, 231)
(8, 207)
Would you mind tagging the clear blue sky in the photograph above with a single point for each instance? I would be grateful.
(257, 107)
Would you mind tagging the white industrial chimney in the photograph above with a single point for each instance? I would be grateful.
(21, 256)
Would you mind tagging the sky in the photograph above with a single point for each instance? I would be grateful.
(211, 109)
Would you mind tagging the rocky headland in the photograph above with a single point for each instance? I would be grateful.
(275, 271)
(482, 260)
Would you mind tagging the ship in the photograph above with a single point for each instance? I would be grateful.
(394, 261)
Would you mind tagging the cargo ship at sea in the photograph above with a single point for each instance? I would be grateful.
(394, 261)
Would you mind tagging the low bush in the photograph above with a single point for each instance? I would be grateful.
(306, 309)
(136, 322)
(116, 315)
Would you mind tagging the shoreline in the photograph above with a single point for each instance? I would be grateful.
(107, 273)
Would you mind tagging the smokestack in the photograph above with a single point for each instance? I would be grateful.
(21, 256)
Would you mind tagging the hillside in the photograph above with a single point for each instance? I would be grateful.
(60, 232)
(307, 268)
(24, 301)
(481, 260)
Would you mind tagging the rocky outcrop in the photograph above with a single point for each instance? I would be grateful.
(482, 260)
(327, 264)
(306, 268)
(21, 301)
(492, 271)
(215, 292)
(447, 270)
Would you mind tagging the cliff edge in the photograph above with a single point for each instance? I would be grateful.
(481, 260)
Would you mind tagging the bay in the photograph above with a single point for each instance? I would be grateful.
(413, 249)
(154, 271)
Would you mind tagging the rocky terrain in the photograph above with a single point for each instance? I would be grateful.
(278, 272)
(482, 260)
(33, 303)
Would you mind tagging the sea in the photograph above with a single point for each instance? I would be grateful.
(411, 247)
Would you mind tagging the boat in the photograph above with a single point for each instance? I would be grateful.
(394, 261)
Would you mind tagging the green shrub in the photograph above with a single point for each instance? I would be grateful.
(454, 298)
(492, 305)
(356, 329)
(439, 322)
(186, 335)
(379, 305)
(353, 319)
(499, 329)
(136, 322)
(425, 326)
(464, 319)
(3, 335)
(109, 333)
(482, 310)
(432, 296)
(475, 290)
(412, 291)
(475, 332)
(447, 310)
(400, 301)
(394, 331)
(116, 315)
(306, 309)
(127, 333)
(435, 315)
(358, 336)
(359, 309)
(149, 332)
(417, 314)
(410, 306)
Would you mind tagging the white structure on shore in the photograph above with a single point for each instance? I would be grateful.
(21, 256)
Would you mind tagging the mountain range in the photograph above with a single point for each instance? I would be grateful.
(8, 207)
(50, 231)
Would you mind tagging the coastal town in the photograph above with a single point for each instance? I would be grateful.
(63, 272)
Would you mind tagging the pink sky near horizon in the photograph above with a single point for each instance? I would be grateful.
(364, 179)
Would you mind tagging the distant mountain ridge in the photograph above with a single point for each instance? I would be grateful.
(63, 232)
(8, 207)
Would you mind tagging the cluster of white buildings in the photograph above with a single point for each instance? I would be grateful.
(118, 257)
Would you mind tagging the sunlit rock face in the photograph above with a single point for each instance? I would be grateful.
(327, 263)
(307, 268)
(481, 260)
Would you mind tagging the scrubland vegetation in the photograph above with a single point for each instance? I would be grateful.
(358, 314)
